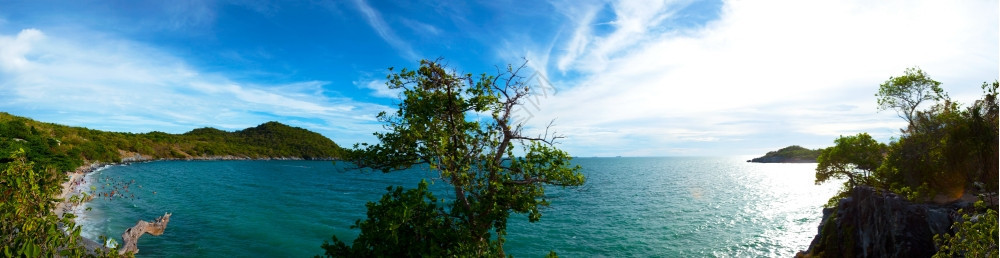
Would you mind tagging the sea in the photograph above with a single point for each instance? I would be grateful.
(629, 207)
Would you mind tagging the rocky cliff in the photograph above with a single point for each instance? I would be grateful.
(872, 223)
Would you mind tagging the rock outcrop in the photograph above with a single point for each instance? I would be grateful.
(131, 235)
(872, 223)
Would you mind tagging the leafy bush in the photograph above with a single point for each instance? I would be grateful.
(28, 225)
(975, 235)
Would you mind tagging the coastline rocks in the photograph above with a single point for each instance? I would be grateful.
(131, 235)
(871, 223)
(129, 157)
(91, 167)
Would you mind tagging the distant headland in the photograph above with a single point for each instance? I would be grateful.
(790, 154)
(68, 148)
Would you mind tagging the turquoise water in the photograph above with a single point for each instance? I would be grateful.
(630, 207)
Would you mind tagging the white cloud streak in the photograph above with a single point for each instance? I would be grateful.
(374, 19)
(783, 64)
(379, 89)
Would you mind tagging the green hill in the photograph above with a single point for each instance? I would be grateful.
(65, 148)
(790, 154)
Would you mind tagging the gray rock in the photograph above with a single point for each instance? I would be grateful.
(874, 223)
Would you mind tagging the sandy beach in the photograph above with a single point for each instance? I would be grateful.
(71, 187)
(76, 184)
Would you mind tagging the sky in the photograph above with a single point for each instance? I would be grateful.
(620, 78)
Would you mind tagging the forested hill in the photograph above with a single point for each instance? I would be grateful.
(790, 154)
(65, 148)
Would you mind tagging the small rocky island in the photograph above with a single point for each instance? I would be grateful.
(790, 154)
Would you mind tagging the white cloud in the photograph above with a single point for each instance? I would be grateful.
(374, 19)
(13, 55)
(780, 62)
(133, 87)
(379, 89)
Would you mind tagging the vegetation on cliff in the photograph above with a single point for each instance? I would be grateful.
(946, 152)
(790, 154)
(467, 130)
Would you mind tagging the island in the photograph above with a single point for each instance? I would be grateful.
(790, 154)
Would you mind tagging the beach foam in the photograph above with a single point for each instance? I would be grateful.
(83, 216)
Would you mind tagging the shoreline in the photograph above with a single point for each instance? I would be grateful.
(78, 182)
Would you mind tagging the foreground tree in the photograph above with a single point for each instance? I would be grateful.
(949, 151)
(465, 129)
(28, 226)
(854, 157)
(945, 153)
(906, 93)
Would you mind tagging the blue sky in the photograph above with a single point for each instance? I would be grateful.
(630, 78)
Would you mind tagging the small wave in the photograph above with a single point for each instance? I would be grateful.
(85, 218)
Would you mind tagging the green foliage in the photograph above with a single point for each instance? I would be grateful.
(28, 226)
(853, 157)
(945, 150)
(402, 224)
(975, 235)
(922, 192)
(906, 93)
(440, 122)
(25, 217)
(844, 192)
(273, 139)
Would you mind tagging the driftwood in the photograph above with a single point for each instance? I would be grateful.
(131, 235)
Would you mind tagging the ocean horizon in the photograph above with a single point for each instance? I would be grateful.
(629, 207)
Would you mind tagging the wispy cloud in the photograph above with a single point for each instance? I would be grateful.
(421, 28)
(781, 62)
(187, 14)
(133, 87)
(580, 39)
(379, 89)
(631, 28)
(374, 19)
